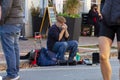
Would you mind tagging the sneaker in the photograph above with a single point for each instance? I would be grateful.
(62, 62)
(72, 62)
(0, 77)
(80, 62)
(8, 78)
(23, 38)
(87, 61)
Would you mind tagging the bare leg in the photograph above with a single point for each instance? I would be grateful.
(119, 57)
(118, 50)
(119, 72)
(105, 46)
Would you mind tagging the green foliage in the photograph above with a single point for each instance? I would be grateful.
(50, 4)
(68, 15)
(72, 7)
(35, 11)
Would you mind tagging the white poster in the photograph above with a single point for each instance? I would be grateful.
(59, 5)
(87, 5)
(43, 5)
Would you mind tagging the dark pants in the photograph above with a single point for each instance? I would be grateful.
(61, 47)
(96, 29)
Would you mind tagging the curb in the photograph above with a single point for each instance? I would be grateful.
(24, 64)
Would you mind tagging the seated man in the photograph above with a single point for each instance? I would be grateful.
(57, 40)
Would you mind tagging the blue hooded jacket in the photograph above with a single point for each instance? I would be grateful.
(111, 12)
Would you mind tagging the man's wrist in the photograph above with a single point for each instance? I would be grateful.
(63, 29)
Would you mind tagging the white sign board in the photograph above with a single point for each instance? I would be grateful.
(87, 5)
(59, 5)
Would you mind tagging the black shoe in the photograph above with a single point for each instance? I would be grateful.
(72, 62)
(23, 38)
(62, 62)
(25, 56)
(79, 62)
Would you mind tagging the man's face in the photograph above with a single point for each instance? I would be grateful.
(61, 24)
(95, 8)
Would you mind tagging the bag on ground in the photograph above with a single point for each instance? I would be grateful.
(46, 58)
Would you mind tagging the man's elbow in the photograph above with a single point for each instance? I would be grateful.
(59, 39)
(67, 36)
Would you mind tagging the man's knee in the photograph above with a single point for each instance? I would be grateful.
(103, 57)
(75, 43)
(119, 54)
(64, 44)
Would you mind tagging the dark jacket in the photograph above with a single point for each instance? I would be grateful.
(102, 1)
(111, 12)
(93, 17)
(53, 37)
(0, 2)
(12, 12)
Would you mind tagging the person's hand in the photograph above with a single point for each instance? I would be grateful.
(64, 27)
(100, 15)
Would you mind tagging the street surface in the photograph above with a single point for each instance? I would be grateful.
(79, 72)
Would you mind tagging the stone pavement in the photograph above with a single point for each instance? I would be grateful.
(26, 46)
(79, 72)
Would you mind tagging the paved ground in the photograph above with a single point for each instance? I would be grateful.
(79, 72)
(30, 44)
(26, 46)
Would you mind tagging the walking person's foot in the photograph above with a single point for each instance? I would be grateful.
(8, 78)
(0, 77)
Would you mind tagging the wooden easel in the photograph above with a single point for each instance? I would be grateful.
(48, 20)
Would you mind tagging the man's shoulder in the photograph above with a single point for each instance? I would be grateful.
(53, 27)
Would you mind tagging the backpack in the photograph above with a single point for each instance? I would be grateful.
(32, 56)
(46, 58)
(41, 57)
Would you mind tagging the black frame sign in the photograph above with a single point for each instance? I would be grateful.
(48, 20)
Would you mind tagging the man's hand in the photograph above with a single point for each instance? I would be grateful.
(66, 31)
(64, 27)
(100, 15)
